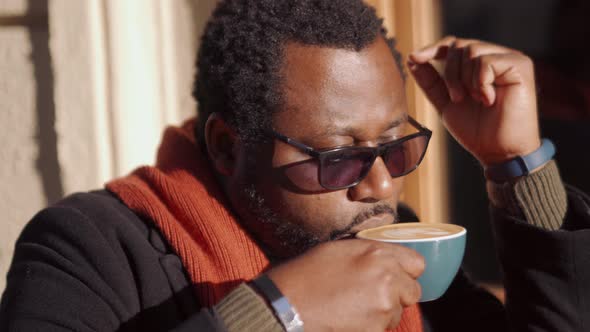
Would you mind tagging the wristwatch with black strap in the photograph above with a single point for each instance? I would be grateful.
(285, 312)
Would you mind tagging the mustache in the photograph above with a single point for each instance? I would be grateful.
(359, 218)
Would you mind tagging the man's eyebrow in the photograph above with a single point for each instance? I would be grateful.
(398, 122)
(348, 130)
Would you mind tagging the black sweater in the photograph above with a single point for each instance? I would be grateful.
(89, 263)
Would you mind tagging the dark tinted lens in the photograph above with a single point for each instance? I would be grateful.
(403, 158)
(303, 175)
(344, 168)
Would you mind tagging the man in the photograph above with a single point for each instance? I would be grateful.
(300, 143)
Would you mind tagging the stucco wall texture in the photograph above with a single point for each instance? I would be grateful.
(55, 89)
(21, 185)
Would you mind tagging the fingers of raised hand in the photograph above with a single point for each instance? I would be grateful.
(436, 51)
(499, 70)
(472, 68)
(431, 83)
(463, 70)
(467, 68)
(439, 50)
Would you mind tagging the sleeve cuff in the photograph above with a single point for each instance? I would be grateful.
(244, 310)
(539, 198)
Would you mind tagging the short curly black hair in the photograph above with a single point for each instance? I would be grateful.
(238, 64)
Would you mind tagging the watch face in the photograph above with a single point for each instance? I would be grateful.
(295, 325)
(287, 314)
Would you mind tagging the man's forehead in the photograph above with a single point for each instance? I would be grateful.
(349, 128)
(319, 65)
(337, 89)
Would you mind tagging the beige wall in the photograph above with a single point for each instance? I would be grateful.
(22, 188)
(85, 90)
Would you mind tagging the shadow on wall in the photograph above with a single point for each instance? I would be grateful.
(36, 22)
(47, 162)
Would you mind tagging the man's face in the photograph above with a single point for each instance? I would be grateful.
(333, 97)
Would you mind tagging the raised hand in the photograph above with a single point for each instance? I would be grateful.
(486, 96)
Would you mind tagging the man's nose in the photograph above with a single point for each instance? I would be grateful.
(376, 186)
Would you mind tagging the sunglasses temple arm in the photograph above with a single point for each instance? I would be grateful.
(413, 122)
(417, 124)
(309, 150)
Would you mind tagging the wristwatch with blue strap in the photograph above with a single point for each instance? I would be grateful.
(521, 165)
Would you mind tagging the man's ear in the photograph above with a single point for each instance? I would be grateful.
(221, 141)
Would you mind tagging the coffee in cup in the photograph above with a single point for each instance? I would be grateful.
(441, 245)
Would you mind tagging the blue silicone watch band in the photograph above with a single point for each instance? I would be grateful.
(522, 165)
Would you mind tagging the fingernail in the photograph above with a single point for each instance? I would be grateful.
(412, 65)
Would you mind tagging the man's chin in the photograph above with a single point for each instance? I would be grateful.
(287, 241)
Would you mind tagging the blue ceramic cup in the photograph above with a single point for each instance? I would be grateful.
(442, 246)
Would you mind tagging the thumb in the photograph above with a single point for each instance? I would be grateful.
(430, 81)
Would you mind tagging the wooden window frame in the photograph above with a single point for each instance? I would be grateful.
(416, 23)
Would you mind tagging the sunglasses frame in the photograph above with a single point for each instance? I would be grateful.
(377, 151)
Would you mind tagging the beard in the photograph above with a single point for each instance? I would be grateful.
(291, 238)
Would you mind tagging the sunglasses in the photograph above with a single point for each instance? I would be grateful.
(345, 167)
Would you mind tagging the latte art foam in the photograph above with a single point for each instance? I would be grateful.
(404, 232)
(412, 233)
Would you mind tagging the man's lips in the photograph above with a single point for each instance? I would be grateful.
(375, 221)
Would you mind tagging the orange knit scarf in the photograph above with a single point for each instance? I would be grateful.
(181, 196)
